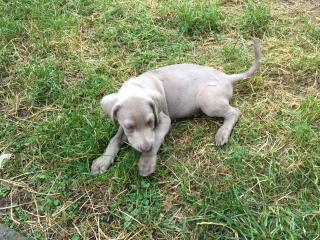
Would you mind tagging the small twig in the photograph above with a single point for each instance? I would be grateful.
(135, 234)
(33, 214)
(316, 81)
(11, 210)
(77, 229)
(14, 206)
(100, 230)
(20, 175)
(54, 182)
(93, 230)
(37, 209)
(94, 213)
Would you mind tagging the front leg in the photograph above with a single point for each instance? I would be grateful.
(147, 161)
(102, 163)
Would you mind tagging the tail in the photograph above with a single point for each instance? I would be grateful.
(255, 65)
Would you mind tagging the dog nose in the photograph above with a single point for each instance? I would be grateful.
(145, 147)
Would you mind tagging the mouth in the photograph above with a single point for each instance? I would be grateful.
(144, 151)
(139, 149)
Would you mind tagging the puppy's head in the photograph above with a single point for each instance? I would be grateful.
(137, 114)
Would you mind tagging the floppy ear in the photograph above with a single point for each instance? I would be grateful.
(156, 104)
(110, 106)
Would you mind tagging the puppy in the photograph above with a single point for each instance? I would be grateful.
(145, 105)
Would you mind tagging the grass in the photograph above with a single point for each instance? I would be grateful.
(255, 18)
(197, 18)
(58, 58)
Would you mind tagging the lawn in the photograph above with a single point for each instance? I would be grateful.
(58, 58)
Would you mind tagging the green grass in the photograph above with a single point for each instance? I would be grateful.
(256, 18)
(197, 18)
(58, 58)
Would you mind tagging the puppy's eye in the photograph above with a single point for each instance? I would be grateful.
(130, 128)
(150, 123)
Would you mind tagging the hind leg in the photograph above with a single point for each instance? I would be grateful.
(214, 104)
(231, 116)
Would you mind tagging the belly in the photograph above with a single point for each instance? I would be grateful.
(183, 105)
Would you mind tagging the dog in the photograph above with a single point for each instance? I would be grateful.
(145, 105)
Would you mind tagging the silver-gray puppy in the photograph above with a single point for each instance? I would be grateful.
(145, 106)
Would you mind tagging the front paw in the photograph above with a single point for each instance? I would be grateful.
(100, 165)
(147, 164)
